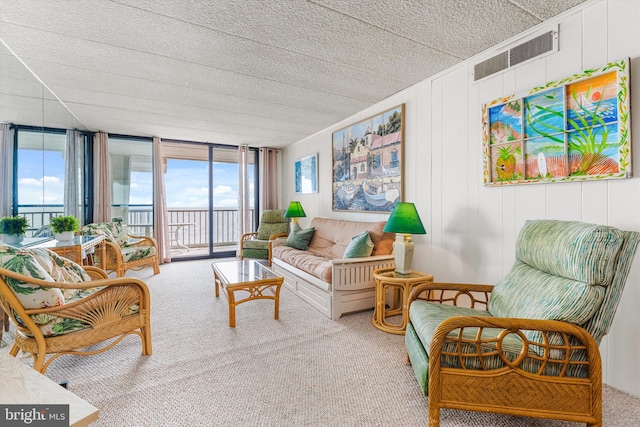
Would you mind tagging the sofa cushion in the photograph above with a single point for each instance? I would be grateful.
(359, 246)
(313, 264)
(582, 252)
(299, 238)
(332, 236)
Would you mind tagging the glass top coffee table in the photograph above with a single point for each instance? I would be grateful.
(250, 279)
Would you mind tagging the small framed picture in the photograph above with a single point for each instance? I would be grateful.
(306, 174)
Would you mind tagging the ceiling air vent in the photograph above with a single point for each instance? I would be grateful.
(491, 66)
(532, 48)
(539, 45)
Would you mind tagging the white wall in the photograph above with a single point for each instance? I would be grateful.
(471, 228)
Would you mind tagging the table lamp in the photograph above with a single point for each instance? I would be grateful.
(404, 221)
(295, 211)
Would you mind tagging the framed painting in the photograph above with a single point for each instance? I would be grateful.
(574, 129)
(368, 163)
(306, 174)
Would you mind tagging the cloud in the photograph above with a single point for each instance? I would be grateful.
(46, 190)
(33, 182)
(222, 189)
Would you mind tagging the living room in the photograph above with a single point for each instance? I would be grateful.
(471, 228)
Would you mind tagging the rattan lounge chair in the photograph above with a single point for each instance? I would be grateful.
(259, 244)
(528, 345)
(60, 308)
(124, 251)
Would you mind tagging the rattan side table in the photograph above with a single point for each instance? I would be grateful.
(399, 286)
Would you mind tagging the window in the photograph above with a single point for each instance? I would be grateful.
(131, 167)
(40, 175)
(395, 162)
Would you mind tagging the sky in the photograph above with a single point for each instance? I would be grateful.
(186, 182)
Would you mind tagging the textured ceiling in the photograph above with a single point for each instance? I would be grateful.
(263, 73)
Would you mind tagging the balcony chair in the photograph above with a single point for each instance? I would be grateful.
(258, 244)
(124, 251)
(527, 346)
(59, 307)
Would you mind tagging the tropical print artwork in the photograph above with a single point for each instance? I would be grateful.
(568, 130)
(367, 163)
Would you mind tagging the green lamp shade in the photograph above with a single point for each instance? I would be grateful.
(404, 219)
(295, 211)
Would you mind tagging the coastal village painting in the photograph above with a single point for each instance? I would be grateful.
(367, 163)
(569, 130)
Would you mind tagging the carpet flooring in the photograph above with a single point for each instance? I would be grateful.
(301, 370)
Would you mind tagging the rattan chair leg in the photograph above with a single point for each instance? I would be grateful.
(14, 350)
(146, 341)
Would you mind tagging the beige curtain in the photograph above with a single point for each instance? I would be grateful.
(74, 175)
(268, 163)
(101, 178)
(6, 168)
(244, 214)
(160, 223)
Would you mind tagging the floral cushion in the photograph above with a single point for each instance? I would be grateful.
(114, 232)
(24, 262)
(45, 265)
(133, 253)
(104, 228)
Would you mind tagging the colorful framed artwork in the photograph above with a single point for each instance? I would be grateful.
(574, 129)
(306, 174)
(368, 163)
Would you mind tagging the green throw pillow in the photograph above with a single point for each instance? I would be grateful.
(359, 246)
(299, 238)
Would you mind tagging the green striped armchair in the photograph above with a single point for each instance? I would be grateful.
(258, 244)
(528, 345)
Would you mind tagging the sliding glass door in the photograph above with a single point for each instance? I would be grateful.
(201, 184)
(131, 169)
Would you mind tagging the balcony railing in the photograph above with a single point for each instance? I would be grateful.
(188, 227)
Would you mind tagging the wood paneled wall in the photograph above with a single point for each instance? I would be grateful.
(472, 229)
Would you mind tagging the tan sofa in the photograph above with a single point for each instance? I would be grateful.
(323, 278)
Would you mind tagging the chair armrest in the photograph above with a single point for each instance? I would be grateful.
(450, 293)
(143, 241)
(95, 272)
(247, 236)
(277, 239)
(99, 283)
(277, 236)
(280, 241)
(112, 300)
(561, 342)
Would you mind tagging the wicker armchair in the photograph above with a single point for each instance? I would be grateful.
(124, 251)
(59, 307)
(528, 345)
(258, 244)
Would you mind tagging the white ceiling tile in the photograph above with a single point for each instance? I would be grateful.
(236, 72)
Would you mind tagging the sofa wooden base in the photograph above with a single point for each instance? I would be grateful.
(353, 287)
